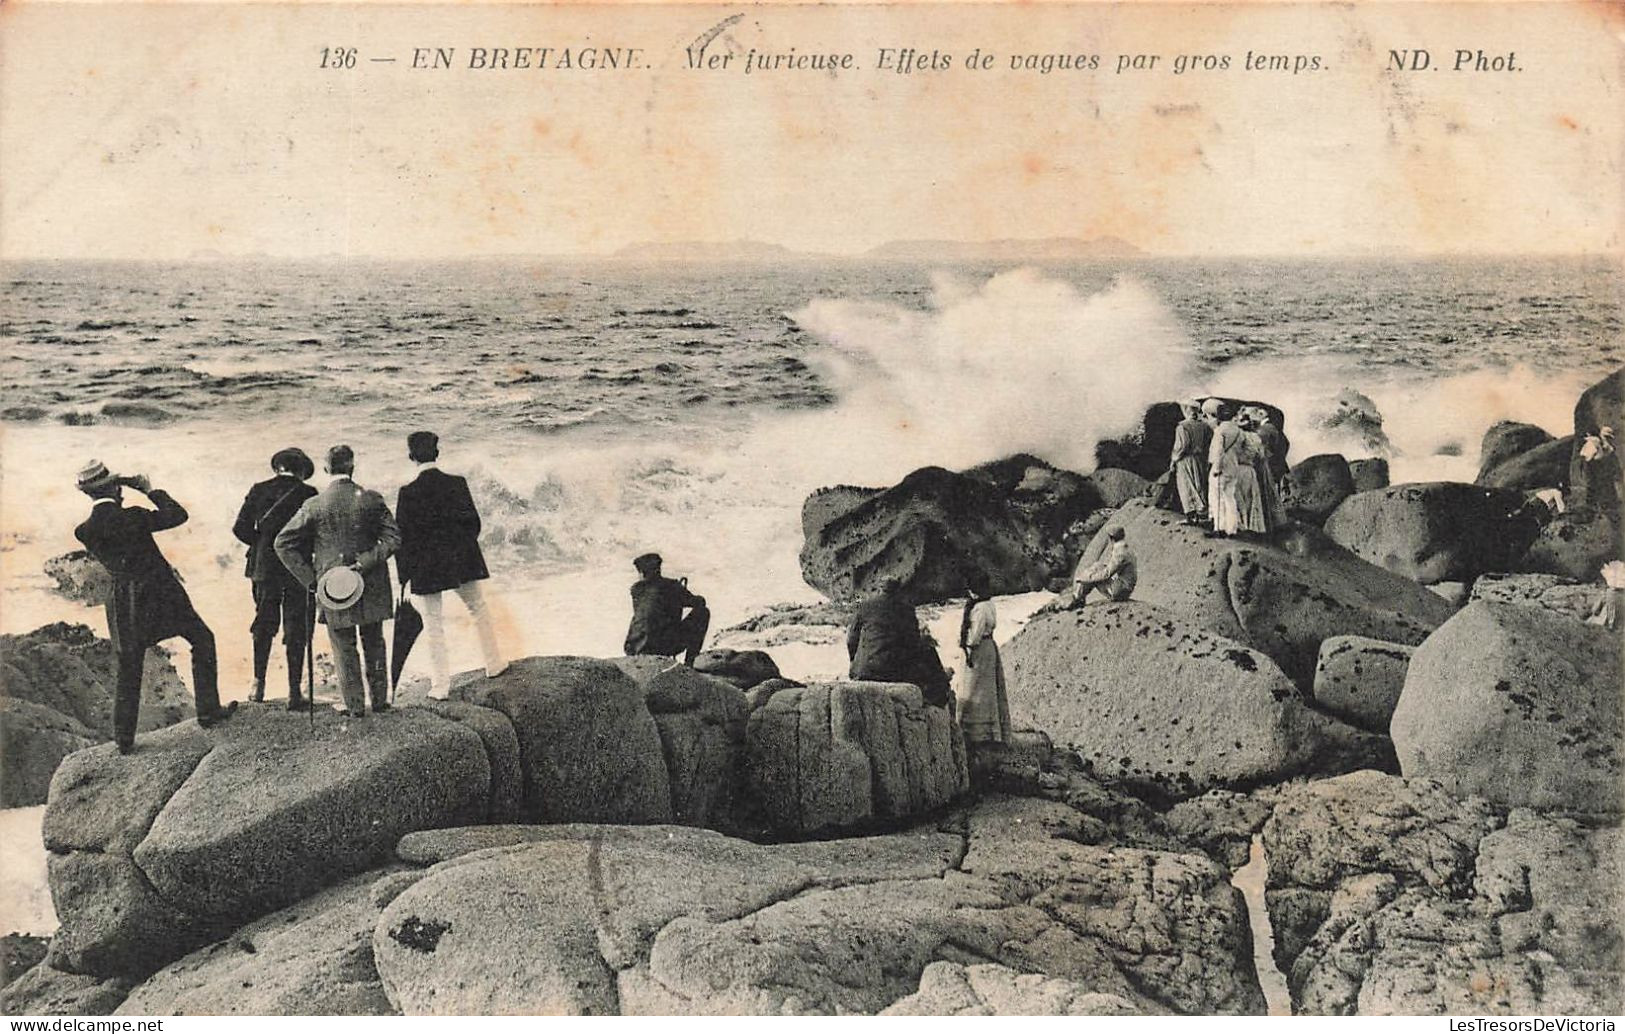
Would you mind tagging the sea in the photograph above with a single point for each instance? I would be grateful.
(602, 409)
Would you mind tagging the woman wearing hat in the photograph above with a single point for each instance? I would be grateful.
(148, 604)
(279, 599)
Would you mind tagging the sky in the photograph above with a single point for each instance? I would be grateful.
(170, 131)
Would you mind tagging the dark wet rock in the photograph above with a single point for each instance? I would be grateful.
(1314, 487)
(1518, 705)
(19, 952)
(935, 526)
(1544, 466)
(742, 668)
(1359, 680)
(80, 578)
(1370, 473)
(59, 686)
(1507, 439)
(1436, 531)
(1574, 545)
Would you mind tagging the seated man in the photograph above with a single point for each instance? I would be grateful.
(1114, 574)
(659, 627)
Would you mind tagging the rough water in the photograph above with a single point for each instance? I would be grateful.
(603, 409)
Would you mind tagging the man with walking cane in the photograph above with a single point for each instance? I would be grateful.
(279, 599)
(336, 546)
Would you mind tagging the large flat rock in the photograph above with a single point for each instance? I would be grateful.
(1519, 705)
(1148, 697)
(674, 921)
(1392, 897)
(1281, 599)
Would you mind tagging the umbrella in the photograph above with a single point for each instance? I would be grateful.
(310, 655)
(408, 623)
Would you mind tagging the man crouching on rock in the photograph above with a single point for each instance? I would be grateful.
(148, 604)
(1114, 574)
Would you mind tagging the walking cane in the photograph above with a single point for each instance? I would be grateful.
(310, 656)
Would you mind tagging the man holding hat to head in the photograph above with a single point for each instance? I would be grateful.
(336, 546)
(659, 627)
(148, 604)
(279, 599)
(440, 550)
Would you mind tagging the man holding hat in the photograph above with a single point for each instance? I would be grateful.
(148, 604)
(279, 599)
(336, 546)
(659, 627)
(440, 550)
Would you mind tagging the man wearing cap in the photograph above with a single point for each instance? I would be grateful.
(279, 599)
(440, 550)
(336, 546)
(148, 604)
(1115, 573)
(659, 627)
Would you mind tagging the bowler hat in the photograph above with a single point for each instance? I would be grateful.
(339, 588)
(294, 460)
(95, 475)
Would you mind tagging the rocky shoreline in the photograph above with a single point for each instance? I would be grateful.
(1398, 706)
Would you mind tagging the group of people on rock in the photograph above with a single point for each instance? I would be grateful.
(1226, 463)
(312, 555)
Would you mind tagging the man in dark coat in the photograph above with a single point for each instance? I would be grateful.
(345, 525)
(659, 627)
(279, 599)
(885, 644)
(148, 603)
(440, 550)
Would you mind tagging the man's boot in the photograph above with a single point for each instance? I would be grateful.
(258, 696)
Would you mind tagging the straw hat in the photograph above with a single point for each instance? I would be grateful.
(94, 475)
(340, 588)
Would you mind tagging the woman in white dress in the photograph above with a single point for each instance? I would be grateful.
(984, 710)
(1222, 469)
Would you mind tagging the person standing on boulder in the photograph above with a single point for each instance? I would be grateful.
(440, 550)
(1189, 462)
(886, 644)
(984, 708)
(147, 604)
(1223, 470)
(279, 599)
(336, 546)
(659, 628)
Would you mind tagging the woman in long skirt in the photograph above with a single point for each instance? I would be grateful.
(984, 710)
(1222, 469)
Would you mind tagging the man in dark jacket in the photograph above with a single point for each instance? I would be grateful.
(279, 599)
(440, 550)
(886, 644)
(148, 603)
(659, 627)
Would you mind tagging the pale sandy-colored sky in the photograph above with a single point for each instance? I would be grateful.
(164, 131)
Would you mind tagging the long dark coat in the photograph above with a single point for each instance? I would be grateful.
(657, 614)
(344, 524)
(886, 645)
(266, 508)
(440, 533)
(148, 604)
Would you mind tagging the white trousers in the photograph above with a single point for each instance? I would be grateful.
(434, 628)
